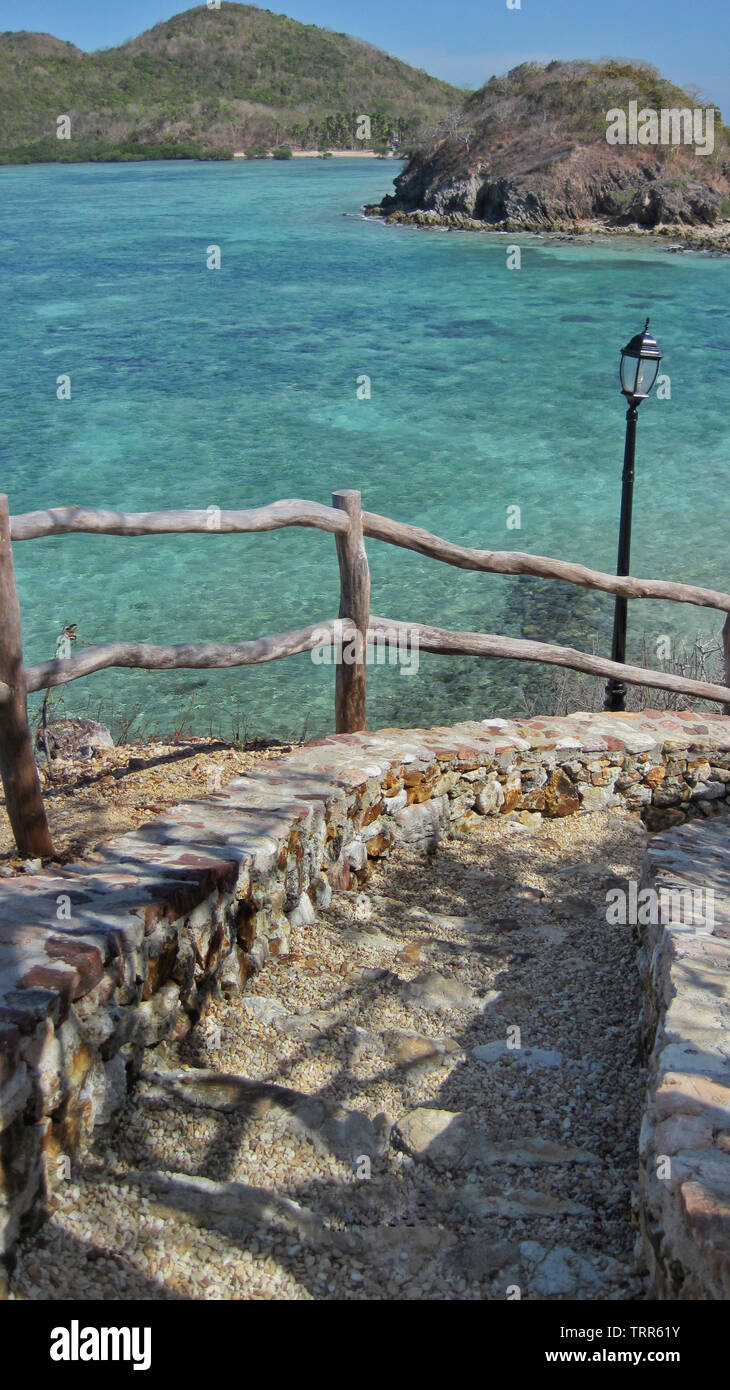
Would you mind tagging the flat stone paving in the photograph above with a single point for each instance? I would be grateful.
(360, 1124)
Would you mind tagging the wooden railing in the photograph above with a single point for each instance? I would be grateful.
(349, 524)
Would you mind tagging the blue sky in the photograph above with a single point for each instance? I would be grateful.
(464, 41)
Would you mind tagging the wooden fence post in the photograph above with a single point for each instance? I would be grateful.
(350, 680)
(23, 796)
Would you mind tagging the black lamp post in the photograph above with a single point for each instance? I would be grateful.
(639, 367)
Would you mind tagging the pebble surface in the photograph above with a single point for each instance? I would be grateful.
(435, 1095)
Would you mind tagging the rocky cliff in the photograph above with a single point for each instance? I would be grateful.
(530, 151)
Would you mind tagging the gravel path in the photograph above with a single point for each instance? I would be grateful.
(362, 1124)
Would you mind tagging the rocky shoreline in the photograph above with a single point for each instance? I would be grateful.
(715, 240)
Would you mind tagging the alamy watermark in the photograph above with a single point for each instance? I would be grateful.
(669, 126)
(688, 907)
(383, 646)
(79, 1343)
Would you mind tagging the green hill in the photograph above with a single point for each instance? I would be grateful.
(209, 81)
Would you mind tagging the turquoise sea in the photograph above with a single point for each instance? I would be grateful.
(491, 388)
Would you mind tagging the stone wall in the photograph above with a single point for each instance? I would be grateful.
(106, 957)
(684, 1173)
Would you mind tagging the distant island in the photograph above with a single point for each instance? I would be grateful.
(574, 147)
(209, 84)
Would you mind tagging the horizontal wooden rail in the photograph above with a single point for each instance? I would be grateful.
(190, 655)
(443, 641)
(448, 643)
(382, 528)
(60, 521)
